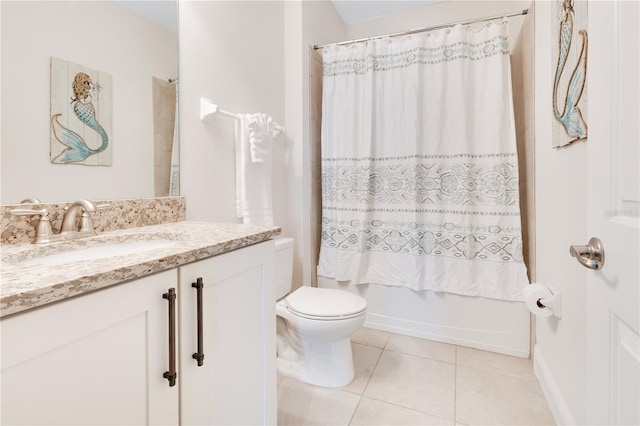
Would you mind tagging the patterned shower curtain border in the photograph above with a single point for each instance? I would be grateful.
(498, 45)
(491, 243)
(469, 184)
(420, 157)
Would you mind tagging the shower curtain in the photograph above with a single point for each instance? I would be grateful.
(419, 164)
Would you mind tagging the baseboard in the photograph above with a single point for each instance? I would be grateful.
(551, 390)
(452, 335)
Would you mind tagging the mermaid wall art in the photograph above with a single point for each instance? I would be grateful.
(570, 72)
(80, 115)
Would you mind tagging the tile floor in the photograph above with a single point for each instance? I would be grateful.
(403, 380)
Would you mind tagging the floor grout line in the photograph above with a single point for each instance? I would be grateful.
(355, 411)
(422, 356)
(364, 389)
(396, 404)
(411, 409)
(455, 385)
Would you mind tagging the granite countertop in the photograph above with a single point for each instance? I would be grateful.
(25, 285)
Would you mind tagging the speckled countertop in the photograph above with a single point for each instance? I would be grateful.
(25, 285)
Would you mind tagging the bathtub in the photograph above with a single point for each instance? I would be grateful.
(476, 322)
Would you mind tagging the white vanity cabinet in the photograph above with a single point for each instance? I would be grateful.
(236, 383)
(100, 358)
(94, 359)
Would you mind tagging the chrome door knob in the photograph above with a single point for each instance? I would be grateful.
(590, 256)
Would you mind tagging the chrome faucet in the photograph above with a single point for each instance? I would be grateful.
(68, 230)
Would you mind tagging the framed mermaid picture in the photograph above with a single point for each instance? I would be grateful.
(569, 53)
(81, 115)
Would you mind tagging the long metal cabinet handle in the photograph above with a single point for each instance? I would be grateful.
(171, 375)
(199, 356)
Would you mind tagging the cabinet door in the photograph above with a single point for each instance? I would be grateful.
(93, 359)
(237, 382)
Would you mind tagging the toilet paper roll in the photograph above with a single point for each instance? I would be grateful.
(533, 293)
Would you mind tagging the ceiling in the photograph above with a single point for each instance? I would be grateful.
(163, 12)
(360, 10)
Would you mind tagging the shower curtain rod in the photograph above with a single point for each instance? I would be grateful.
(421, 30)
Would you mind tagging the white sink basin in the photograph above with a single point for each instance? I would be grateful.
(101, 251)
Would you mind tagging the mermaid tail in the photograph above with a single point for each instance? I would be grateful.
(566, 29)
(87, 114)
(77, 149)
(571, 117)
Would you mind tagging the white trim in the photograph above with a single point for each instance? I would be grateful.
(439, 333)
(553, 394)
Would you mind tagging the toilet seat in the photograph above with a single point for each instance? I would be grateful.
(324, 304)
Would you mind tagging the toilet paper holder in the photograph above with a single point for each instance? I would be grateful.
(554, 303)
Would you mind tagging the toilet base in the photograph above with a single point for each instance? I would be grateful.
(328, 364)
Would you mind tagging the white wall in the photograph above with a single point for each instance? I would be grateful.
(103, 36)
(561, 206)
(232, 53)
(294, 70)
(249, 57)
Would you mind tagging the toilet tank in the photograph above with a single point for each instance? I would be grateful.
(284, 266)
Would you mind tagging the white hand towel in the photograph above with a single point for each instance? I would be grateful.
(262, 131)
(254, 203)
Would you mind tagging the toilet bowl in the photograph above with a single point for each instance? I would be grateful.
(314, 326)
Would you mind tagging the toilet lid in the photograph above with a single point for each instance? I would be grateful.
(325, 302)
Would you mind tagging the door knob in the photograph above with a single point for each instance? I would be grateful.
(590, 256)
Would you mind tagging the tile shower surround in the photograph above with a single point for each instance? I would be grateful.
(123, 214)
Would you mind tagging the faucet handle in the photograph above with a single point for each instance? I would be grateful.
(44, 230)
(30, 200)
(29, 212)
(86, 223)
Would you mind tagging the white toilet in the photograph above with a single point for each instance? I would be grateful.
(314, 326)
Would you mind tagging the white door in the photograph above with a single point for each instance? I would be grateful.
(613, 359)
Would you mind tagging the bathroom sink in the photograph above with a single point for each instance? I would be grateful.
(100, 251)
